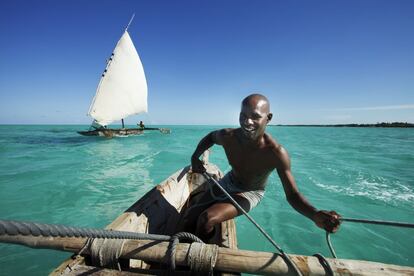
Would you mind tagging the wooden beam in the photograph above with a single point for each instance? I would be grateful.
(231, 260)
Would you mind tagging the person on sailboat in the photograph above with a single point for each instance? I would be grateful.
(253, 154)
(95, 125)
(141, 124)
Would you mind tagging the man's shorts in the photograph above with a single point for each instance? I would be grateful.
(228, 182)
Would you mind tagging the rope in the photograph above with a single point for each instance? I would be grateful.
(325, 264)
(173, 245)
(368, 221)
(13, 228)
(285, 257)
(328, 240)
(381, 222)
(106, 252)
(202, 257)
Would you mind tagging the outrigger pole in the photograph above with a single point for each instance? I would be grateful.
(153, 248)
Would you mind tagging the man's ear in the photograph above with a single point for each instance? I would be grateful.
(269, 117)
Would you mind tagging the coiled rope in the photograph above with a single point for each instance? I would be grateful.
(175, 240)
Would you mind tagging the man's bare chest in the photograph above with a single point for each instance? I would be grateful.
(245, 159)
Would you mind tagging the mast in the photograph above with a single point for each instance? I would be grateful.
(130, 21)
(126, 29)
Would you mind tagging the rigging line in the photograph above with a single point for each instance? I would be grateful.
(368, 221)
(284, 256)
(381, 222)
(328, 240)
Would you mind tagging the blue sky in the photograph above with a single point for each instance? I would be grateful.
(317, 61)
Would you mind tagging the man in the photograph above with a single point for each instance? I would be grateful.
(253, 155)
(141, 125)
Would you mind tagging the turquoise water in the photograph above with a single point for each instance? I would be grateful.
(51, 174)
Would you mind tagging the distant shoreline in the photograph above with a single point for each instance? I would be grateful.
(383, 125)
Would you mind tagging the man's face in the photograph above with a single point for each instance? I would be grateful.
(254, 116)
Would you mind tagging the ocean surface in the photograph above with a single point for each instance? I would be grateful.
(51, 174)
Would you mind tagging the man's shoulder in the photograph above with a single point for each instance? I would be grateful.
(271, 142)
(274, 146)
(226, 132)
(222, 136)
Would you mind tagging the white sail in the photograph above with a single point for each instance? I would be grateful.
(122, 90)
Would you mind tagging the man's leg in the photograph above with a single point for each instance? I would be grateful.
(192, 210)
(218, 213)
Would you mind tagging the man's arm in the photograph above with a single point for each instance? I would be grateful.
(214, 137)
(323, 219)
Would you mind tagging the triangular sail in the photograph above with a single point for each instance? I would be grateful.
(122, 90)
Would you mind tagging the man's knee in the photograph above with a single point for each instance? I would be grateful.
(207, 220)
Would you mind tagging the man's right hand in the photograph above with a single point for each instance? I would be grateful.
(328, 220)
(197, 165)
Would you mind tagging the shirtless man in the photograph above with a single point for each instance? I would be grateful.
(253, 155)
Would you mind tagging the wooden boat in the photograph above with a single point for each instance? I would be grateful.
(104, 132)
(158, 212)
(111, 132)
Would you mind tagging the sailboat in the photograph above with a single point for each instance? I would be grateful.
(121, 92)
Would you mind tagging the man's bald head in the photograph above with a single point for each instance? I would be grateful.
(257, 100)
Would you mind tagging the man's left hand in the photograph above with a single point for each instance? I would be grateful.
(328, 220)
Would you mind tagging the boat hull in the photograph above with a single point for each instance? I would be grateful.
(160, 211)
(112, 132)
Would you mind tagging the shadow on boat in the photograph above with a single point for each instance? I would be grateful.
(163, 217)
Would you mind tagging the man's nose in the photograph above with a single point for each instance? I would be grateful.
(249, 121)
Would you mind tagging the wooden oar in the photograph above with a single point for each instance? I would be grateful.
(231, 260)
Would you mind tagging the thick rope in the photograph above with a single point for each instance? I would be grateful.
(202, 257)
(267, 236)
(13, 228)
(106, 252)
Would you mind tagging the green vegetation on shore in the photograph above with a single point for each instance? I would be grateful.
(393, 124)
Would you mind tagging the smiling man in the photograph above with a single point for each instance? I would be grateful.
(253, 155)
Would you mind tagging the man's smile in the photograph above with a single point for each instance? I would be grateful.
(248, 129)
